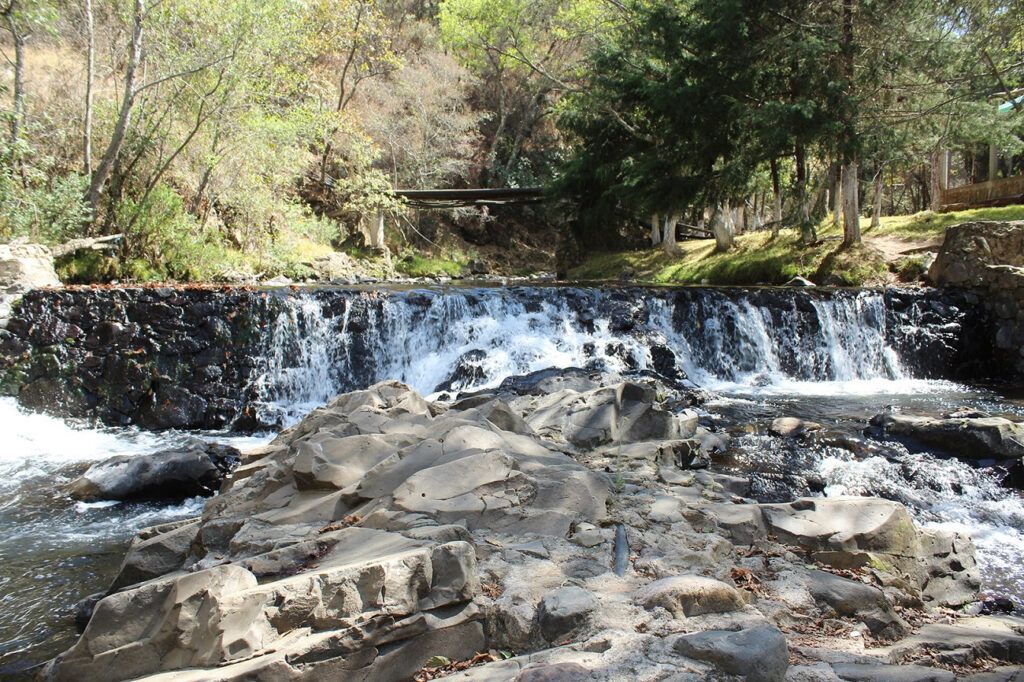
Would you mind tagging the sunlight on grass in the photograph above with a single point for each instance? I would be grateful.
(759, 258)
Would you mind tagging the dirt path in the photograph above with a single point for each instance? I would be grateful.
(893, 248)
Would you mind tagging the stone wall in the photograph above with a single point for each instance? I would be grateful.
(156, 357)
(988, 257)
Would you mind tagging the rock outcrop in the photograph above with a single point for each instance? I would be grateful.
(971, 438)
(385, 534)
(988, 257)
(23, 267)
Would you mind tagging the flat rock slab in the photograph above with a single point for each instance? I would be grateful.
(966, 438)
(863, 672)
(756, 654)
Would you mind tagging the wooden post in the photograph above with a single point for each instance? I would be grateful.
(993, 162)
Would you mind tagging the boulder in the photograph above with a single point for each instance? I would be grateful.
(858, 532)
(23, 267)
(964, 437)
(690, 595)
(971, 250)
(852, 599)
(162, 553)
(624, 413)
(194, 469)
(791, 427)
(757, 654)
(565, 611)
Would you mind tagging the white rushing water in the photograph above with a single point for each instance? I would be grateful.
(720, 342)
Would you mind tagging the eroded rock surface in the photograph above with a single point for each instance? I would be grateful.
(385, 531)
(966, 437)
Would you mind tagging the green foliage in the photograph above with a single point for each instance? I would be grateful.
(45, 212)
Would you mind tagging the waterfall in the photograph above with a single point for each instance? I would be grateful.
(457, 340)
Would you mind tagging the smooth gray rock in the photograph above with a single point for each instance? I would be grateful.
(1001, 674)
(565, 611)
(194, 469)
(757, 654)
(791, 427)
(156, 556)
(554, 672)
(853, 599)
(864, 672)
(967, 438)
(964, 642)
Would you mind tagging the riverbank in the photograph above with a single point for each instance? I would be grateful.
(891, 253)
(534, 531)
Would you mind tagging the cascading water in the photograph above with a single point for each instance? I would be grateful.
(472, 339)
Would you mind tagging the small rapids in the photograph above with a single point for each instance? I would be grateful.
(55, 551)
(840, 460)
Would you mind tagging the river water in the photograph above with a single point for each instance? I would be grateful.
(833, 360)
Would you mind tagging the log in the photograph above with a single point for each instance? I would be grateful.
(106, 243)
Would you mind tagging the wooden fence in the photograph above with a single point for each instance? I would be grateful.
(999, 192)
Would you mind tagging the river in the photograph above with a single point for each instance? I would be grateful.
(837, 360)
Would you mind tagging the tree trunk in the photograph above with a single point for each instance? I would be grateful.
(102, 174)
(668, 240)
(723, 228)
(90, 67)
(776, 193)
(938, 180)
(375, 235)
(655, 229)
(18, 38)
(808, 233)
(837, 198)
(876, 203)
(851, 207)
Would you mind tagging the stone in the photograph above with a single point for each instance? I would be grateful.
(758, 654)
(690, 595)
(1000, 674)
(966, 641)
(791, 427)
(564, 612)
(24, 267)
(865, 672)
(965, 437)
(158, 555)
(196, 468)
(554, 672)
(852, 599)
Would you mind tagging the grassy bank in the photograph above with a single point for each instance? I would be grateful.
(888, 252)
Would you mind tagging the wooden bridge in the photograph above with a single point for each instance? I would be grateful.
(456, 198)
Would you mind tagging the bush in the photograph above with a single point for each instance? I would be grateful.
(48, 213)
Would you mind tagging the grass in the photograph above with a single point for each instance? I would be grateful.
(760, 258)
(418, 265)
